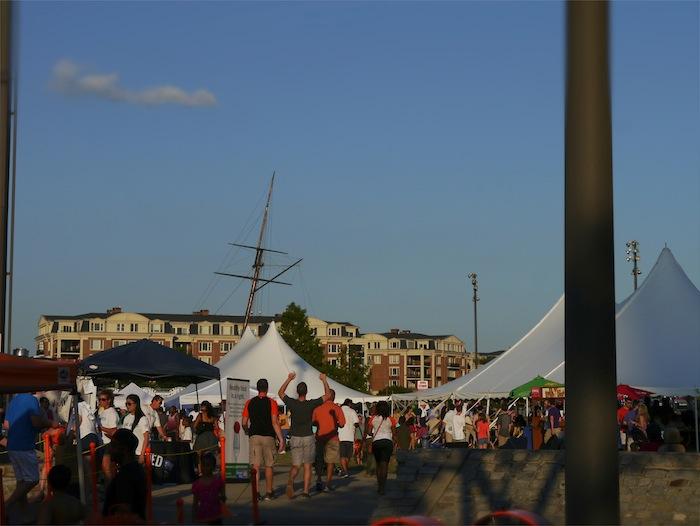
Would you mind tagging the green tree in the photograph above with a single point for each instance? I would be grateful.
(295, 330)
(395, 389)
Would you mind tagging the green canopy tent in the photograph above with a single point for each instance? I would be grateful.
(524, 390)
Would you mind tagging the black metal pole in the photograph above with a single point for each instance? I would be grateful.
(475, 298)
(592, 485)
(5, 125)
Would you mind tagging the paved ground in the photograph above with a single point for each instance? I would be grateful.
(353, 502)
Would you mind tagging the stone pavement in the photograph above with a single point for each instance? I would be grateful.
(353, 502)
(460, 485)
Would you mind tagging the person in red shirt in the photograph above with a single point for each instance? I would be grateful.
(260, 422)
(621, 412)
(328, 418)
(483, 427)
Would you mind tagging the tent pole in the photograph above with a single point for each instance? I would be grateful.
(697, 445)
(196, 391)
(79, 449)
(488, 407)
(221, 395)
(527, 408)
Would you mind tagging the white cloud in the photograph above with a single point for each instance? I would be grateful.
(69, 79)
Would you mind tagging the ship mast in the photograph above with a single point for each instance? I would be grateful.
(258, 263)
(257, 282)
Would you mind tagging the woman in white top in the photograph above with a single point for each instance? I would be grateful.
(108, 420)
(383, 428)
(139, 424)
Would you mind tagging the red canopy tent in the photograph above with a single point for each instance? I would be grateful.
(625, 391)
(22, 375)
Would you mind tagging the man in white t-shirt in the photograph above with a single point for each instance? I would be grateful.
(194, 413)
(448, 420)
(151, 412)
(459, 420)
(346, 435)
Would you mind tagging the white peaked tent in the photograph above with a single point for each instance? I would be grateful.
(658, 333)
(210, 390)
(129, 389)
(658, 343)
(272, 358)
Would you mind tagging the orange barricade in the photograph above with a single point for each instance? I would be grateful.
(47, 457)
(149, 486)
(254, 489)
(222, 446)
(180, 511)
(2, 501)
(93, 475)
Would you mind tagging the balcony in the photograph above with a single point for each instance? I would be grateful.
(413, 361)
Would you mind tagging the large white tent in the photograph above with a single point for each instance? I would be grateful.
(209, 391)
(658, 343)
(658, 333)
(272, 358)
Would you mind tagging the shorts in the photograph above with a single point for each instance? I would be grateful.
(482, 442)
(303, 450)
(25, 465)
(331, 452)
(262, 451)
(346, 449)
(382, 450)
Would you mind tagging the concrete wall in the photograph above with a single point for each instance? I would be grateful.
(459, 486)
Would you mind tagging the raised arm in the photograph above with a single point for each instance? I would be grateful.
(291, 376)
(326, 387)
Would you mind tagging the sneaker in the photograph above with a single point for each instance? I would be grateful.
(305, 495)
(344, 475)
(328, 488)
(269, 496)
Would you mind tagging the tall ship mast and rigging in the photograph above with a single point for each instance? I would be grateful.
(256, 281)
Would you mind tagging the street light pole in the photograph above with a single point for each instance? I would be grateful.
(475, 298)
(633, 256)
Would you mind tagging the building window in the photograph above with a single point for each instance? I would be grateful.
(333, 348)
(226, 347)
(182, 330)
(369, 345)
(393, 383)
(394, 359)
(333, 331)
(97, 327)
(96, 345)
(117, 343)
(67, 328)
(226, 330)
(40, 346)
(439, 360)
(134, 327)
(394, 345)
(377, 344)
(120, 327)
(206, 359)
(393, 371)
(377, 359)
(156, 327)
(411, 344)
(204, 329)
(205, 346)
(333, 361)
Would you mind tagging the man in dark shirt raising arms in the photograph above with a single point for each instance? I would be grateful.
(302, 442)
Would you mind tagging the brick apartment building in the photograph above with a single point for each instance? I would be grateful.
(397, 358)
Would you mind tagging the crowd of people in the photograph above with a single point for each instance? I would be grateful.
(322, 437)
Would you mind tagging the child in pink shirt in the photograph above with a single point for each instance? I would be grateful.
(209, 493)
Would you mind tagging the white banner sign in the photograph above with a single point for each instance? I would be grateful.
(237, 458)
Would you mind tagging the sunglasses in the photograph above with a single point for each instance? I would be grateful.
(104, 399)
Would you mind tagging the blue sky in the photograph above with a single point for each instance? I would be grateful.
(414, 143)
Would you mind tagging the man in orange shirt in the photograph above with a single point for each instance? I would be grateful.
(328, 417)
